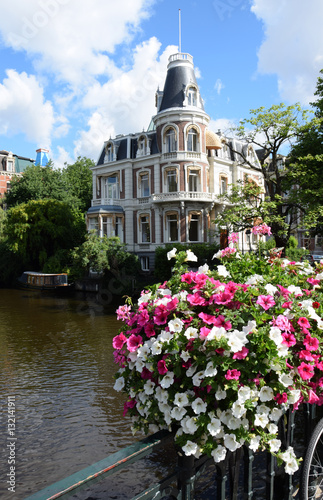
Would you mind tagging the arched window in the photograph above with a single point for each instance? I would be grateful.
(192, 140)
(170, 140)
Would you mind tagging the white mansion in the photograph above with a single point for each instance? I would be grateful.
(161, 186)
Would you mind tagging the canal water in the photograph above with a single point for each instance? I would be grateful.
(56, 367)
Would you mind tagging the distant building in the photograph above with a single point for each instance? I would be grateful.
(162, 185)
(10, 165)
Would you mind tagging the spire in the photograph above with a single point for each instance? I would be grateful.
(42, 158)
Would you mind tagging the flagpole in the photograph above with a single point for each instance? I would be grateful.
(179, 30)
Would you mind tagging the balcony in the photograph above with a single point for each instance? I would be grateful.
(183, 196)
(184, 156)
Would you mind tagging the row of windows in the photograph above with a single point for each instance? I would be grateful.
(111, 187)
(112, 225)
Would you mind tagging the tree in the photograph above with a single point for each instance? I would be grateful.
(72, 185)
(272, 130)
(35, 231)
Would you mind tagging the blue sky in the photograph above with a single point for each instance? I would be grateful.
(75, 72)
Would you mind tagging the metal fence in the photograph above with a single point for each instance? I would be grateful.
(234, 478)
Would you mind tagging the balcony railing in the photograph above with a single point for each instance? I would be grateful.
(183, 155)
(183, 196)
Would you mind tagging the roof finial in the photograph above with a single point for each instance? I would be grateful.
(179, 30)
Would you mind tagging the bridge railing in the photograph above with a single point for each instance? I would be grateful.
(232, 479)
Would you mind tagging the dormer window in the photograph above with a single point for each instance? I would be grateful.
(191, 96)
(143, 148)
(109, 153)
(10, 166)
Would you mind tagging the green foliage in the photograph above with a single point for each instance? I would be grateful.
(72, 185)
(36, 230)
(272, 129)
(163, 266)
(292, 242)
(105, 256)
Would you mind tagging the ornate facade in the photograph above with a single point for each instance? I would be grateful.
(162, 186)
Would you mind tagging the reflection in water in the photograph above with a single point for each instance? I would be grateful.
(56, 359)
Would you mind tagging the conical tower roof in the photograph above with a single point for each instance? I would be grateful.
(180, 75)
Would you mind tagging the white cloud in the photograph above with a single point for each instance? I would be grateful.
(23, 108)
(225, 125)
(61, 158)
(69, 38)
(126, 102)
(218, 86)
(293, 45)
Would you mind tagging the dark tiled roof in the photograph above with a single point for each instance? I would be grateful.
(177, 79)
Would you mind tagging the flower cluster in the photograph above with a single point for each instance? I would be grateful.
(261, 229)
(218, 356)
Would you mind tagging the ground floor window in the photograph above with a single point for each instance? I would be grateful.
(194, 226)
(144, 228)
(94, 224)
(144, 263)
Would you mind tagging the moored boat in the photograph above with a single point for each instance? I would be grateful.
(43, 281)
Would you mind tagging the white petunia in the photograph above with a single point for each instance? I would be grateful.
(234, 423)
(176, 325)
(220, 394)
(294, 396)
(164, 337)
(271, 289)
(161, 395)
(143, 351)
(156, 348)
(249, 327)
(254, 443)
(263, 409)
(254, 279)
(197, 379)
(203, 269)
(222, 271)
(210, 370)
(178, 413)
(149, 387)
(289, 458)
(238, 409)
(119, 384)
(199, 406)
(274, 445)
(191, 333)
(261, 420)
(191, 370)
(181, 399)
(285, 379)
(296, 290)
(230, 442)
(185, 355)
(189, 425)
(144, 298)
(190, 256)
(276, 335)
(167, 380)
(272, 428)
(190, 448)
(275, 414)
(171, 254)
(266, 394)
(214, 427)
(219, 453)
(244, 393)
(216, 333)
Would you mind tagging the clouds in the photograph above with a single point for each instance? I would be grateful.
(293, 45)
(23, 108)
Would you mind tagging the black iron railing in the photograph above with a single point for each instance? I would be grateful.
(234, 478)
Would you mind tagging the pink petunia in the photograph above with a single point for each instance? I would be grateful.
(161, 366)
(204, 332)
(149, 330)
(241, 354)
(312, 397)
(196, 299)
(133, 342)
(303, 322)
(119, 341)
(281, 398)
(311, 343)
(306, 371)
(283, 323)
(232, 374)
(209, 319)
(266, 301)
(289, 339)
(306, 355)
(123, 312)
(143, 318)
(161, 314)
(128, 405)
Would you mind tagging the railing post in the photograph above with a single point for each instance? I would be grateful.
(186, 477)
